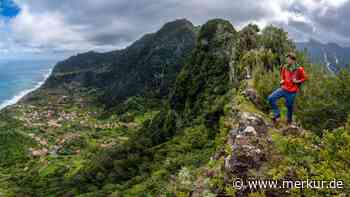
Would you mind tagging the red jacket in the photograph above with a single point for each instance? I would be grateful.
(288, 76)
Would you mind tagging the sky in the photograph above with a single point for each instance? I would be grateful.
(55, 29)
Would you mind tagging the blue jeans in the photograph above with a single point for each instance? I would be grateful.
(289, 98)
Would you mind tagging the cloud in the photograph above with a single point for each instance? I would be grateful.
(2, 23)
(113, 22)
(325, 20)
(74, 26)
(42, 29)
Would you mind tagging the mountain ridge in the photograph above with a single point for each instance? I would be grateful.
(165, 51)
(209, 128)
(333, 56)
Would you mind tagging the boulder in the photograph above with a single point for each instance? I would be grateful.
(252, 120)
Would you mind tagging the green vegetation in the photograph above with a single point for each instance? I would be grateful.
(314, 158)
(146, 68)
(97, 128)
(323, 100)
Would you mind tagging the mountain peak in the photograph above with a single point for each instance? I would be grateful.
(149, 65)
(179, 23)
(216, 29)
(212, 54)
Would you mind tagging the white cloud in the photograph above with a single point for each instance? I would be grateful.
(81, 25)
(2, 23)
(42, 29)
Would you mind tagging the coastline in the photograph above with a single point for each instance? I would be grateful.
(23, 93)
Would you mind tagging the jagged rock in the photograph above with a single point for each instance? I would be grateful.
(249, 130)
(232, 136)
(241, 140)
(248, 143)
(252, 120)
(245, 157)
(54, 150)
(253, 96)
(292, 130)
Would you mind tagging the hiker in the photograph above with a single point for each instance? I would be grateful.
(292, 76)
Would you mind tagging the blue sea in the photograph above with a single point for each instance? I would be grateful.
(18, 78)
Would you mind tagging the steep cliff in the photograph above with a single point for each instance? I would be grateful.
(147, 67)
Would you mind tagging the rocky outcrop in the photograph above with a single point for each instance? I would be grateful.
(249, 145)
(293, 130)
(253, 96)
(249, 148)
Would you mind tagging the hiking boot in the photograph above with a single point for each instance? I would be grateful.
(291, 124)
(275, 120)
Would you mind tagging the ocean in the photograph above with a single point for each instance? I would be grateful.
(18, 78)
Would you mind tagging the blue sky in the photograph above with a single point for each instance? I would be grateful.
(8, 8)
(55, 29)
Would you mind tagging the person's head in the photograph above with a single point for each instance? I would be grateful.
(291, 58)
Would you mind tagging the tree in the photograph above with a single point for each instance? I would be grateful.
(277, 41)
(248, 39)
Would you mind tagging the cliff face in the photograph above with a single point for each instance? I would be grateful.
(149, 66)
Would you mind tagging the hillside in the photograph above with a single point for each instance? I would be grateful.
(102, 125)
(148, 66)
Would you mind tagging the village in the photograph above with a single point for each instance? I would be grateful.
(54, 127)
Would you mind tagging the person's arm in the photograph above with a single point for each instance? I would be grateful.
(301, 75)
(281, 75)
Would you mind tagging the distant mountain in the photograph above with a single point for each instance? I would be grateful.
(148, 66)
(331, 54)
